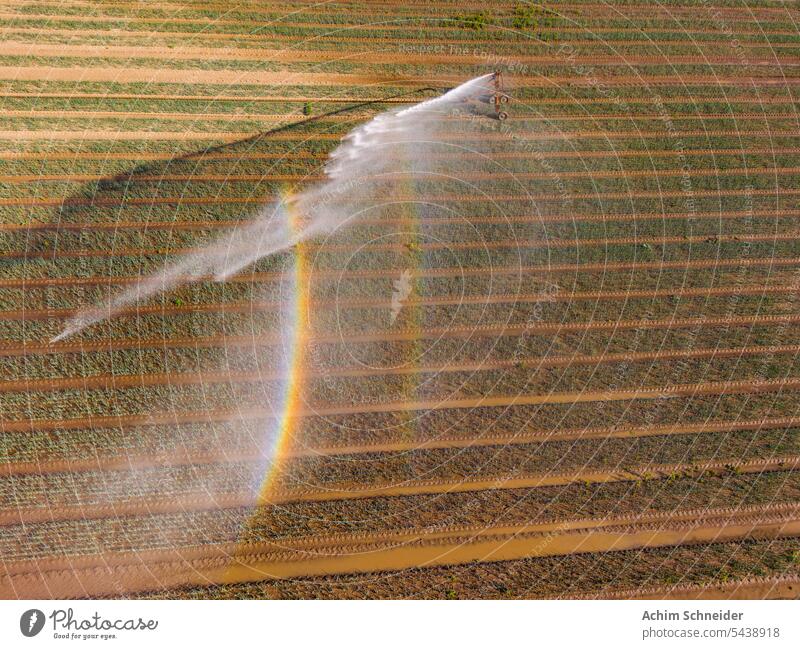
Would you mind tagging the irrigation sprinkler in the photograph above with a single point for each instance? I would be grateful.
(500, 97)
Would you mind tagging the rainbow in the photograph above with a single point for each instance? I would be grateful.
(290, 401)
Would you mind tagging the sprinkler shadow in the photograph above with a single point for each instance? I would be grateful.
(228, 159)
(164, 191)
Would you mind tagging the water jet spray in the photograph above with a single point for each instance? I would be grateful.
(364, 169)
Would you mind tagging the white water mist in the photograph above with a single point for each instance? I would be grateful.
(363, 168)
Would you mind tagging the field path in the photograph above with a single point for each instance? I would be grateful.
(710, 388)
(134, 133)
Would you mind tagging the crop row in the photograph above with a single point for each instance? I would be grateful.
(293, 520)
(623, 44)
(49, 299)
(512, 481)
(333, 395)
(355, 24)
(188, 422)
(265, 322)
(252, 354)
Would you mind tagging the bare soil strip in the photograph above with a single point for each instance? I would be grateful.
(135, 177)
(501, 329)
(129, 573)
(714, 388)
(199, 117)
(434, 272)
(247, 455)
(447, 300)
(203, 156)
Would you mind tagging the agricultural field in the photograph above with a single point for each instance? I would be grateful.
(552, 356)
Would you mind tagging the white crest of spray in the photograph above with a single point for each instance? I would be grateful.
(363, 167)
(402, 289)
